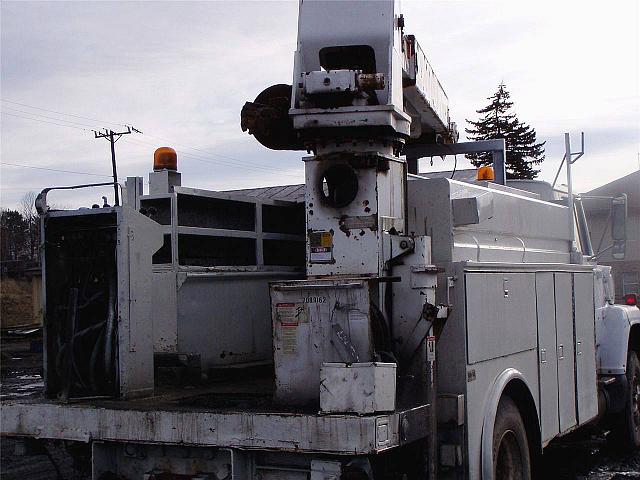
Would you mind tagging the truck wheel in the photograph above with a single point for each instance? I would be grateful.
(511, 459)
(627, 427)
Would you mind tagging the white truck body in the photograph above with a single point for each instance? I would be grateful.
(419, 305)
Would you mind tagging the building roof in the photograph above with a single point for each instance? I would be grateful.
(295, 193)
(629, 184)
(290, 193)
(463, 175)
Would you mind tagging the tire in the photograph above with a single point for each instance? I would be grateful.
(627, 424)
(511, 459)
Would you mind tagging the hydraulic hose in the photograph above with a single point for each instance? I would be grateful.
(110, 330)
(94, 360)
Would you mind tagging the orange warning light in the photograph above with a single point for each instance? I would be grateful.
(485, 173)
(165, 158)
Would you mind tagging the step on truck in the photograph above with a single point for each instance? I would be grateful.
(370, 324)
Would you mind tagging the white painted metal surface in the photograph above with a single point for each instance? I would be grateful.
(613, 333)
(361, 388)
(585, 347)
(226, 317)
(139, 237)
(373, 29)
(219, 312)
(457, 376)
(565, 351)
(501, 314)
(317, 321)
(411, 100)
(164, 311)
(547, 359)
(423, 92)
(292, 432)
(521, 229)
(353, 231)
(334, 81)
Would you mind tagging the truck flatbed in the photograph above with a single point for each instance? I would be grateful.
(232, 414)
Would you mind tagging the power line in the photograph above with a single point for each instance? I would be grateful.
(53, 169)
(229, 161)
(20, 189)
(60, 113)
(44, 121)
(256, 168)
(233, 161)
(236, 160)
(15, 110)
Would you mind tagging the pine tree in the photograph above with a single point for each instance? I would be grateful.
(498, 121)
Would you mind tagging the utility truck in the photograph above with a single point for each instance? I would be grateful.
(372, 323)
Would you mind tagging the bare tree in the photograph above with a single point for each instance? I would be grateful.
(30, 215)
(28, 206)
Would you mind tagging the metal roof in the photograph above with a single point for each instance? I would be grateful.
(295, 193)
(290, 193)
(463, 175)
(629, 184)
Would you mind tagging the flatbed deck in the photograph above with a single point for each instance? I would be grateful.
(233, 414)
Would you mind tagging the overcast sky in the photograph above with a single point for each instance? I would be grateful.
(180, 72)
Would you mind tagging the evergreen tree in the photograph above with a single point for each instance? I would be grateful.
(13, 236)
(498, 121)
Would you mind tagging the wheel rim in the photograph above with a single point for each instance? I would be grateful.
(509, 462)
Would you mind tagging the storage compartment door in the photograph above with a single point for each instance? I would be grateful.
(501, 315)
(586, 381)
(565, 351)
(547, 364)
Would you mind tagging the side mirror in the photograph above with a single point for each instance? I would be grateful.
(619, 226)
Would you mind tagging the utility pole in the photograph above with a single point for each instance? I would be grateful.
(113, 137)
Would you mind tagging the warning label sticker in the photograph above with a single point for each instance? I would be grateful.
(321, 254)
(289, 338)
(321, 247)
(291, 314)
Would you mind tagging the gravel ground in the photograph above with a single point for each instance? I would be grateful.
(590, 460)
(21, 375)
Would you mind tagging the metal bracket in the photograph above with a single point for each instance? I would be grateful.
(396, 246)
(344, 341)
(496, 147)
(41, 199)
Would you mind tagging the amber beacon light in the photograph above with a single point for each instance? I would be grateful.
(165, 158)
(485, 173)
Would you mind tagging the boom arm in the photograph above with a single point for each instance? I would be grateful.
(356, 75)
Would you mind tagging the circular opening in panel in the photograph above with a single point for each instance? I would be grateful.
(338, 185)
